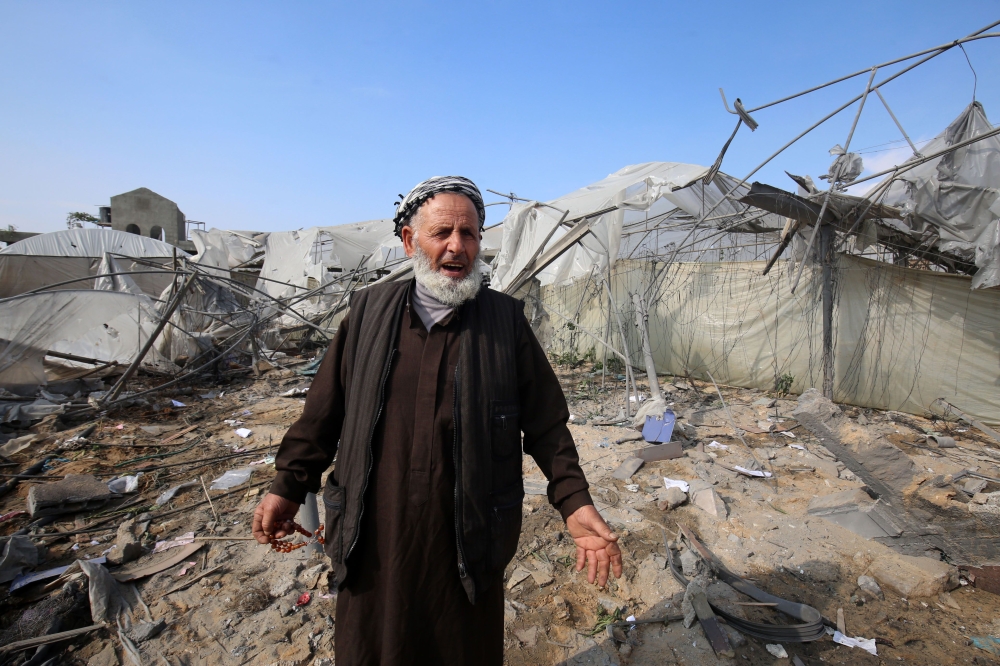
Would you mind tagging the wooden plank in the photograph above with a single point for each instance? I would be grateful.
(167, 440)
(50, 638)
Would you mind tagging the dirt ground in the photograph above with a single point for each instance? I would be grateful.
(245, 611)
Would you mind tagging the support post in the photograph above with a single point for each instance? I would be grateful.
(827, 237)
(120, 384)
(642, 321)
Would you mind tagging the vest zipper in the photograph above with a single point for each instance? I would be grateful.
(458, 479)
(371, 436)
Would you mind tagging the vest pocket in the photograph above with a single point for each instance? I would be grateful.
(333, 503)
(505, 428)
(505, 525)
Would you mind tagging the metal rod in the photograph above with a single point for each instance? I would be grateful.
(833, 181)
(938, 49)
(120, 384)
(898, 124)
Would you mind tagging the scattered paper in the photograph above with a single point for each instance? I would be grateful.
(777, 651)
(674, 483)
(632, 487)
(233, 422)
(788, 433)
(752, 472)
(866, 644)
(120, 426)
(266, 460)
(177, 403)
(182, 540)
(187, 567)
(244, 432)
(797, 446)
(295, 392)
(211, 395)
(715, 445)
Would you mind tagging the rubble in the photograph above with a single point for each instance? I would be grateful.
(914, 577)
(73, 494)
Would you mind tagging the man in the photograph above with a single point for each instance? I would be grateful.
(428, 386)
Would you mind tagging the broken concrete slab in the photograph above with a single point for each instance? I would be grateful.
(75, 493)
(870, 585)
(670, 498)
(884, 467)
(707, 499)
(914, 576)
(989, 510)
(127, 545)
(665, 451)
(628, 468)
(856, 511)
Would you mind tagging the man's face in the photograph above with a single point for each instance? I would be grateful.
(447, 233)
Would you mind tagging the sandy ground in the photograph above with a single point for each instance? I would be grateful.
(245, 612)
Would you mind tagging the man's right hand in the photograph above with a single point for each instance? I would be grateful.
(273, 518)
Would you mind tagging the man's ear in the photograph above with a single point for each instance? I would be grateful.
(409, 240)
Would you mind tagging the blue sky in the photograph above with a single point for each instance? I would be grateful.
(273, 116)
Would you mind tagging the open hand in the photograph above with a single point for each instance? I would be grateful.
(596, 545)
(273, 517)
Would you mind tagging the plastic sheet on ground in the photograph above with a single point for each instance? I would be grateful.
(18, 554)
(231, 479)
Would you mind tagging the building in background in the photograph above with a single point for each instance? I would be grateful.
(146, 213)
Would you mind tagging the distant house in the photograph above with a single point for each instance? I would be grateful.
(146, 213)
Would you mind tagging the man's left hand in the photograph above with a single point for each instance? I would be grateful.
(596, 545)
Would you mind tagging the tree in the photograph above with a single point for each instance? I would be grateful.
(76, 220)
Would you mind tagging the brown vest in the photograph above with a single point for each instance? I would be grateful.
(487, 449)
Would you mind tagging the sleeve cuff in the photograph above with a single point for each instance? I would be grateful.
(574, 502)
(286, 485)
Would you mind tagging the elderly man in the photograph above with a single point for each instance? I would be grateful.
(423, 396)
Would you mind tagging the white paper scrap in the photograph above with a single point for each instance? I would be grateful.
(866, 644)
(177, 403)
(674, 483)
(632, 487)
(182, 540)
(243, 432)
(788, 433)
(715, 445)
(752, 472)
(797, 446)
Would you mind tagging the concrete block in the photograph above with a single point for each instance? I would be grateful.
(914, 576)
(75, 493)
(989, 510)
(628, 468)
(709, 501)
(670, 498)
(855, 511)
(127, 544)
(869, 585)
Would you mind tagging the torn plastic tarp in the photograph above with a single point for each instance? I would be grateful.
(637, 193)
(231, 479)
(18, 554)
(955, 197)
(92, 243)
(103, 325)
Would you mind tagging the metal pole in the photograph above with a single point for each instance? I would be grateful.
(902, 131)
(642, 321)
(826, 251)
(120, 384)
(835, 180)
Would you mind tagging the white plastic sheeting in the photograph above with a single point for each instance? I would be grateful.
(218, 248)
(92, 243)
(902, 337)
(103, 325)
(955, 197)
(301, 261)
(638, 193)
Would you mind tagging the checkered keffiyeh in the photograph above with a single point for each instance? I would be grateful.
(427, 189)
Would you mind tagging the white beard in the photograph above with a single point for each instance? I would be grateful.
(447, 290)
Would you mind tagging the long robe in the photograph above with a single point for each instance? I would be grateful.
(403, 602)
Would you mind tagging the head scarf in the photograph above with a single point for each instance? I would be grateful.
(427, 189)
